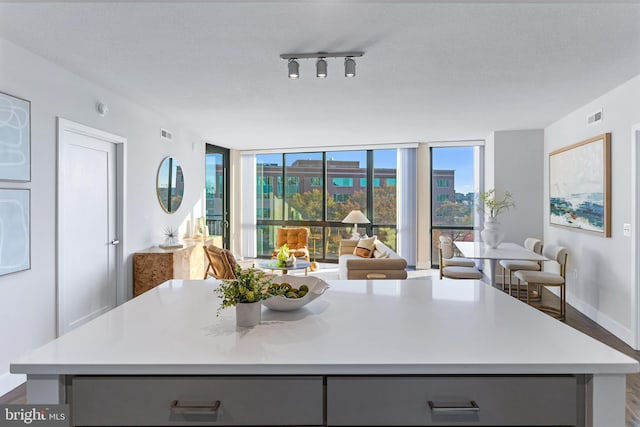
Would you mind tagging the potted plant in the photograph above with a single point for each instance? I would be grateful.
(491, 205)
(283, 256)
(245, 292)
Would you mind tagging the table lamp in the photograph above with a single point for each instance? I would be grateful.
(356, 217)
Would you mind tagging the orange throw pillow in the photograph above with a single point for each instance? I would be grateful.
(365, 247)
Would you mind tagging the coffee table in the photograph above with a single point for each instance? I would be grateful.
(273, 265)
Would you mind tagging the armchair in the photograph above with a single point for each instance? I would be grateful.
(297, 240)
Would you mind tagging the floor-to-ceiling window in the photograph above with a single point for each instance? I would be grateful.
(454, 186)
(318, 190)
(217, 192)
(385, 195)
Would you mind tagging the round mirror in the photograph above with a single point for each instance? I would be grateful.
(170, 184)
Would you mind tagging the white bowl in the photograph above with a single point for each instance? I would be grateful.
(281, 303)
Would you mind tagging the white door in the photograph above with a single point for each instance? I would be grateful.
(88, 264)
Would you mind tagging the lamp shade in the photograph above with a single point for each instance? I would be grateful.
(356, 217)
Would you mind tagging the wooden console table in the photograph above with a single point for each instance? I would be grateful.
(155, 265)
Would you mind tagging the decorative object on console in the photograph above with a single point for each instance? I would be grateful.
(15, 240)
(356, 217)
(245, 292)
(492, 206)
(15, 138)
(201, 229)
(170, 239)
(580, 186)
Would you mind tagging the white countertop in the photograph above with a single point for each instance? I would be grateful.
(356, 327)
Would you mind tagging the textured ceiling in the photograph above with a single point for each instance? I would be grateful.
(431, 70)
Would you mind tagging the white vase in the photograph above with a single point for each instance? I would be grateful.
(492, 235)
(248, 314)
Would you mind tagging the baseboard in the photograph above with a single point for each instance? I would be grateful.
(9, 381)
(601, 319)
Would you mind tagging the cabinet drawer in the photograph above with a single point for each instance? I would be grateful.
(117, 401)
(526, 400)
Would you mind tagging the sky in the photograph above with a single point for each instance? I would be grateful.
(459, 159)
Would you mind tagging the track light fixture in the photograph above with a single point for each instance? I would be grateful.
(321, 68)
(321, 62)
(294, 68)
(349, 67)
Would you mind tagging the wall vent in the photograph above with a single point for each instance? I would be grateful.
(167, 135)
(594, 118)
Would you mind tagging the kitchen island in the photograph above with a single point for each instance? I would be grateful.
(406, 352)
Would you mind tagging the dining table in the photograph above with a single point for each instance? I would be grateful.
(504, 251)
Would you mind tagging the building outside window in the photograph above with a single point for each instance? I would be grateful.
(306, 201)
(454, 182)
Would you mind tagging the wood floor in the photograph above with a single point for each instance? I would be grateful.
(574, 319)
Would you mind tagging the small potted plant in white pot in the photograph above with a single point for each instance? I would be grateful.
(492, 206)
(246, 293)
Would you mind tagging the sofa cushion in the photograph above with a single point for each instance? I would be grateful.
(365, 247)
(377, 253)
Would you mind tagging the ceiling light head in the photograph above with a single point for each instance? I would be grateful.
(321, 68)
(294, 69)
(349, 67)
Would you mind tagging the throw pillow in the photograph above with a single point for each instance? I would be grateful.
(365, 247)
(377, 253)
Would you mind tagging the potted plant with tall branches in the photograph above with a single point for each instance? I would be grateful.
(492, 205)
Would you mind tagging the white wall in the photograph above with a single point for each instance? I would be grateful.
(518, 169)
(27, 299)
(513, 162)
(599, 269)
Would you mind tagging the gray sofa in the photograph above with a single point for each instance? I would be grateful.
(352, 266)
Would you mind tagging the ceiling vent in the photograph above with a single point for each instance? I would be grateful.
(167, 135)
(594, 118)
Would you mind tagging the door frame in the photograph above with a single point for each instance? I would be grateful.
(120, 142)
(635, 234)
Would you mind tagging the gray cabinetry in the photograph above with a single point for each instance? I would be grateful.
(457, 400)
(327, 400)
(184, 401)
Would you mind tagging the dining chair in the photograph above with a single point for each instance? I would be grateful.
(510, 266)
(544, 278)
(452, 271)
(448, 258)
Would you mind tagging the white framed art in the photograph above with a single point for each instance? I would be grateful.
(15, 138)
(15, 233)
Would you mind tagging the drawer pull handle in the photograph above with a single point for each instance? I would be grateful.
(471, 407)
(195, 408)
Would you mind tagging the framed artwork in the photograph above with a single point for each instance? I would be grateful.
(580, 186)
(15, 241)
(15, 138)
